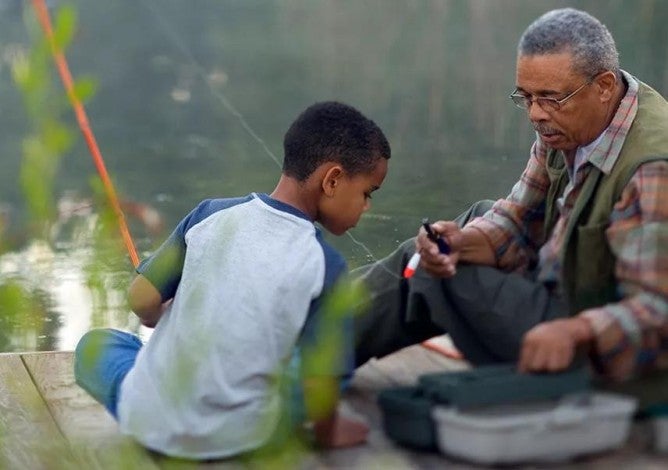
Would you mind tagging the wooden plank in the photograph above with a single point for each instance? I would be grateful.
(78, 415)
(65, 411)
(29, 436)
(400, 368)
(91, 431)
(403, 368)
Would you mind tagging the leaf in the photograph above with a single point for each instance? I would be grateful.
(57, 137)
(85, 88)
(64, 26)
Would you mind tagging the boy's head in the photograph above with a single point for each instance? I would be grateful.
(332, 131)
(335, 148)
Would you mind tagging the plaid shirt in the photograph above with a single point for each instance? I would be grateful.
(630, 335)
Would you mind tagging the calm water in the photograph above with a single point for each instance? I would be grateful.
(192, 102)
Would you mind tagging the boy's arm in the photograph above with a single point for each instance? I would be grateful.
(326, 359)
(145, 301)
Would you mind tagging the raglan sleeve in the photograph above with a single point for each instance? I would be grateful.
(328, 330)
(164, 266)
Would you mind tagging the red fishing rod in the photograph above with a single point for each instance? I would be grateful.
(63, 69)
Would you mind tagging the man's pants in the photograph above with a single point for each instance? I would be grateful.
(484, 310)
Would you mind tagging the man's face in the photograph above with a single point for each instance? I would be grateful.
(580, 119)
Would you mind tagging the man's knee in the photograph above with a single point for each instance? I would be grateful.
(477, 209)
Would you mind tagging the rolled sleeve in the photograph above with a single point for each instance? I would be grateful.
(513, 226)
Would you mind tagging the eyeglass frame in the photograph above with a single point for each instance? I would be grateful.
(528, 100)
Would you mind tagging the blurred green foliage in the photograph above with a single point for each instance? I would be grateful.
(26, 309)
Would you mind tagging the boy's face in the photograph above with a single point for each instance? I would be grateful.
(351, 197)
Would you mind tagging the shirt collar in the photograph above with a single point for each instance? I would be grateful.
(281, 206)
(608, 144)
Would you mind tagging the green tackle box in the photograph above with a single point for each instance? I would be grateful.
(500, 384)
(407, 417)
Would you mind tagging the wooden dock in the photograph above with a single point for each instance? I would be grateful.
(48, 422)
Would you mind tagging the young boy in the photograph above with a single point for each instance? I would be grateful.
(231, 293)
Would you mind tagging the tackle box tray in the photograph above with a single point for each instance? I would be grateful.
(546, 431)
(499, 384)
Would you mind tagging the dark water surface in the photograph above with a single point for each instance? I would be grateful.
(194, 97)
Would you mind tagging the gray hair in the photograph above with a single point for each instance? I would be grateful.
(575, 31)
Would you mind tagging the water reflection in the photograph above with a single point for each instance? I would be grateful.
(47, 303)
(193, 103)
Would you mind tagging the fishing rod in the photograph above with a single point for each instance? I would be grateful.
(42, 13)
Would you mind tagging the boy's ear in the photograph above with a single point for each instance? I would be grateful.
(331, 180)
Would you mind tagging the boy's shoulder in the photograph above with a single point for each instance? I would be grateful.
(208, 207)
(335, 263)
(212, 205)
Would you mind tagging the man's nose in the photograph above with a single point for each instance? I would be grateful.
(536, 113)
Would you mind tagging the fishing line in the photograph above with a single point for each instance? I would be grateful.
(82, 119)
(227, 104)
(201, 71)
(42, 13)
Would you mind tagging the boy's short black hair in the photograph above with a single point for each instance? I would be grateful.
(332, 131)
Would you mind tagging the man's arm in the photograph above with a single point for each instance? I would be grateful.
(505, 236)
(629, 336)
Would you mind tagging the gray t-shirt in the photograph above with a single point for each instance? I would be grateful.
(246, 277)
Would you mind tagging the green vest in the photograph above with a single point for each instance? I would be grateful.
(587, 263)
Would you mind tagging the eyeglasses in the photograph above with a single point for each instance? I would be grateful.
(547, 104)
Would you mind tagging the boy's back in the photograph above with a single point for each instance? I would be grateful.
(232, 292)
(252, 268)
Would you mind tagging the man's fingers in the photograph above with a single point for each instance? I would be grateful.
(527, 357)
(439, 265)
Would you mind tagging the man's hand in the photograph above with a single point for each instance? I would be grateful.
(551, 346)
(431, 260)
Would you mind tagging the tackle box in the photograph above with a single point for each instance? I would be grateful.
(407, 417)
(546, 431)
(499, 384)
(492, 414)
(659, 419)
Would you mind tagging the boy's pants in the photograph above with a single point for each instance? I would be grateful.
(484, 310)
(102, 359)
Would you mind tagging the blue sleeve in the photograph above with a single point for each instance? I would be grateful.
(164, 267)
(318, 324)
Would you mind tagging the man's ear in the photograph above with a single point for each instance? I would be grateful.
(606, 84)
(331, 180)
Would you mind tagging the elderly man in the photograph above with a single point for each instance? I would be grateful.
(575, 258)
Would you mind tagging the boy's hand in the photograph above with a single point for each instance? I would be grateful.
(339, 431)
(431, 260)
(551, 346)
